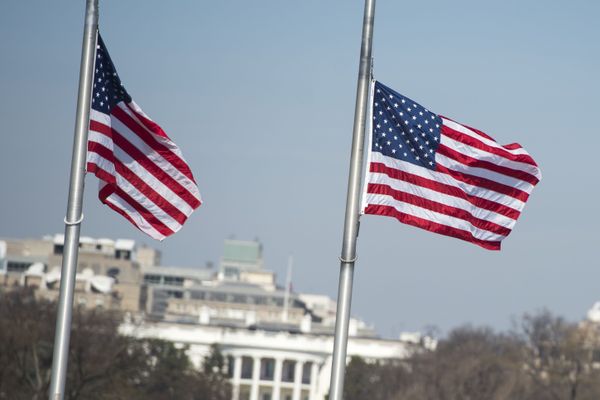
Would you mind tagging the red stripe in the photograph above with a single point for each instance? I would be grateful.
(445, 189)
(109, 189)
(484, 183)
(478, 144)
(139, 184)
(438, 207)
(477, 131)
(150, 166)
(143, 134)
(431, 226)
(476, 163)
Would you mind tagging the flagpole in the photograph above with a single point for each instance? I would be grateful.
(75, 203)
(348, 257)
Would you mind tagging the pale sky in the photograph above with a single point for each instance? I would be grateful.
(260, 97)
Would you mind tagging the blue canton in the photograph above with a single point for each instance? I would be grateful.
(108, 89)
(403, 129)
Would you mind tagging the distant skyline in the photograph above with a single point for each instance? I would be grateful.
(260, 98)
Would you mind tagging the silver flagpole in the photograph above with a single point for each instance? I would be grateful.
(338, 369)
(74, 206)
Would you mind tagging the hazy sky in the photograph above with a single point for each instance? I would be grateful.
(260, 97)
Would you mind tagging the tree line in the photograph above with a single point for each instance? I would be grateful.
(543, 358)
(103, 365)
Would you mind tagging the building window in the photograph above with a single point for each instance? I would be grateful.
(16, 266)
(173, 280)
(123, 254)
(306, 369)
(266, 396)
(198, 295)
(152, 279)
(58, 248)
(246, 368)
(287, 371)
(175, 294)
(267, 369)
(230, 366)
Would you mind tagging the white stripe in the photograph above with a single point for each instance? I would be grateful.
(161, 139)
(141, 173)
(138, 219)
(101, 162)
(406, 208)
(483, 173)
(463, 129)
(429, 194)
(483, 155)
(99, 117)
(155, 157)
(440, 177)
(146, 203)
(139, 196)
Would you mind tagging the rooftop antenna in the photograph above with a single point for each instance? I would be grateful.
(288, 285)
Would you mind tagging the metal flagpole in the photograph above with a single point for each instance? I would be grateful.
(74, 206)
(338, 369)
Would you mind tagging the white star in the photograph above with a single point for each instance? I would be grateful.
(388, 142)
(414, 117)
(405, 154)
(408, 109)
(385, 121)
(380, 112)
(376, 104)
(390, 129)
(430, 162)
(396, 105)
(421, 147)
(395, 137)
(431, 150)
(393, 150)
(378, 126)
(391, 97)
(420, 112)
(417, 158)
(403, 101)
(419, 126)
(401, 113)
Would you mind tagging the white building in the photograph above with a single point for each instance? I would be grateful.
(271, 365)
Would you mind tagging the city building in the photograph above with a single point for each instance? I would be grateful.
(278, 343)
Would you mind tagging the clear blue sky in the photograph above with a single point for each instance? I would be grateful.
(260, 97)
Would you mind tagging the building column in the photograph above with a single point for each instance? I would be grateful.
(255, 379)
(277, 379)
(314, 370)
(297, 380)
(237, 376)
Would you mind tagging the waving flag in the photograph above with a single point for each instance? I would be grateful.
(142, 173)
(431, 172)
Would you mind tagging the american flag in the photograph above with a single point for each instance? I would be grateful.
(431, 172)
(142, 173)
